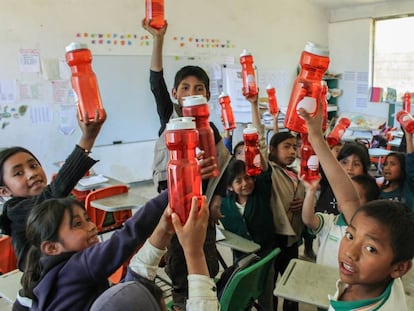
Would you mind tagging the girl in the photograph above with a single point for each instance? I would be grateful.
(67, 267)
(354, 158)
(23, 179)
(398, 174)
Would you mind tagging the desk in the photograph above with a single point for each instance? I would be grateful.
(129, 200)
(320, 281)
(378, 153)
(395, 143)
(10, 285)
(108, 181)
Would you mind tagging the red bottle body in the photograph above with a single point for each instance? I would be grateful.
(227, 112)
(338, 131)
(309, 163)
(251, 150)
(406, 120)
(248, 74)
(84, 81)
(184, 177)
(196, 106)
(306, 89)
(272, 100)
(154, 12)
(407, 102)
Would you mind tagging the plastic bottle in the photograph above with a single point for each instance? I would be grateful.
(338, 131)
(84, 81)
(184, 177)
(314, 62)
(309, 162)
(196, 106)
(407, 102)
(272, 100)
(248, 74)
(251, 150)
(227, 112)
(406, 120)
(154, 12)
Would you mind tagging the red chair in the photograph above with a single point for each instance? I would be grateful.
(8, 260)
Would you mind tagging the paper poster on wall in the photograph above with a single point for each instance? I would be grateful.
(29, 60)
(8, 91)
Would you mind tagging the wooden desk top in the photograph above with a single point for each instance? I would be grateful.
(129, 200)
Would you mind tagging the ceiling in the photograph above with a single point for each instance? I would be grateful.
(335, 4)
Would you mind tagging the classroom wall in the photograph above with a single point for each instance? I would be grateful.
(350, 45)
(275, 31)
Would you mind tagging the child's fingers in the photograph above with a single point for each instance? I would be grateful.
(176, 222)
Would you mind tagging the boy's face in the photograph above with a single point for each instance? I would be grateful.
(365, 255)
(190, 86)
(22, 176)
(392, 169)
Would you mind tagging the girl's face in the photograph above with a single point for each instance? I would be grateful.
(285, 152)
(239, 153)
(22, 176)
(242, 185)
(352, 165)
(392, 169)
(78, 233)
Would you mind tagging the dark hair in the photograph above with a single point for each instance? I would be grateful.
(370, 186)
(400, 156)
(240, 143)
(7, 153)
(195, 71)
(235, 168)
(42, 225)
(352, 148)
(278, 138)
(399, 219)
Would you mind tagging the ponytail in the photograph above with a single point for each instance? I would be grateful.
(32, 271)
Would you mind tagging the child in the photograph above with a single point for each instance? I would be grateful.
(23, 179)
(330, 228)
(398, 174)
(189, 80)
(67, 267)
(354, 158)
(374, 254)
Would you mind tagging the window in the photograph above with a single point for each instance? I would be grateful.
(394, 54)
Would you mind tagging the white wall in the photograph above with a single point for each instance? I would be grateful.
(275, 31)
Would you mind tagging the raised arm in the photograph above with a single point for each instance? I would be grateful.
(158, 42)
(308, 209)
(342, 186)
(409, 142)
(90, 130)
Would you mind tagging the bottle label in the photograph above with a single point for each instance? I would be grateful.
(313, 163)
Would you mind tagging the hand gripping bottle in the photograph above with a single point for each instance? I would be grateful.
(335, 136)
(272, 100)
(406, 120)
(184, 177)
(314, 62)
(227, 112)
(248, 74)
(251, 150)
(84, 81)
(154, 12)
(309, 162)
(196, 106)
(407, 102)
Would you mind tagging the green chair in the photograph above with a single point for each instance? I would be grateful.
(247, 285)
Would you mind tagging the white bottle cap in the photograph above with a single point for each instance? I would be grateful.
(245, 53)
(269, 86)
(316, 49)
(76, 46)
(194, 100)
(182, 123)
(250, 129)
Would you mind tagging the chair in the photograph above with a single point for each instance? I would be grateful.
(247, 285)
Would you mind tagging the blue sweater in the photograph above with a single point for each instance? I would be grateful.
(72, 281)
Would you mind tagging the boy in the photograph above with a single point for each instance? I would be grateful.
(374, 254)
(189, 80)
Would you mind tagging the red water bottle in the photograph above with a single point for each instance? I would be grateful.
(406, 120)
(338, 131)
(272, 100)
(184, 177)
(251, 150)
(309, 162)
(154, 13)
(407, 102)
(196, 106)
(248, 74)
(227, 112)
(84, 81)
(314, 62)
(324, 103)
